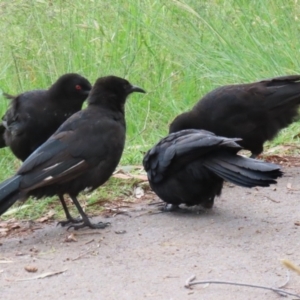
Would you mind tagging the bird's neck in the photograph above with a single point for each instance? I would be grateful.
(108, 101)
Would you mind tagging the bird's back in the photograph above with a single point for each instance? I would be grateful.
(254, 112)
(32, 117)
(94, 135)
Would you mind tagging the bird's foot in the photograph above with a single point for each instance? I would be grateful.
(170, 207)
(70, 220)
(87, 223)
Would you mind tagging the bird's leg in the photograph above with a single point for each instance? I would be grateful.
(85, 220)
(170, 207)
(70, 219)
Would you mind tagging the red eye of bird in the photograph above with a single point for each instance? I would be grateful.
(78, 87)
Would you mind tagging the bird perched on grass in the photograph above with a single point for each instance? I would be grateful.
(35, 115)
(190, 166)
(254, 112)
(82, 153)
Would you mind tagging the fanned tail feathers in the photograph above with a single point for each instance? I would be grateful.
(242, 171)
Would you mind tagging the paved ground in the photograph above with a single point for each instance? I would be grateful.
(145, 255)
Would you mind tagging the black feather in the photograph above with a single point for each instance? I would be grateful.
(189, 166)
(35, 115)
(254, 112)
(82, 153)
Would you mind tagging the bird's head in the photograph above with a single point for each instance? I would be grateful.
(72, 88)
(112, 91)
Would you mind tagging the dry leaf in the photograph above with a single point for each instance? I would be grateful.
(130, 176)
(287, 263)
(121, 176)
(289, 186)
(297, 223)
(138, 192)
(70, 238)
(31, 269)
(47, 217)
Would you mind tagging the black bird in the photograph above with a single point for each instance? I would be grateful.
(82, 153)
(254, 112)
(190, 166)
(2, 140)
(35, 115)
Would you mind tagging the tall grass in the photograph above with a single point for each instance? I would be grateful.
(176, 50)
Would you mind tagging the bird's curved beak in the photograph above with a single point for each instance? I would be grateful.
(136, 89)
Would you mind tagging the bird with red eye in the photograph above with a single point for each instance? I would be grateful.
(33, 116)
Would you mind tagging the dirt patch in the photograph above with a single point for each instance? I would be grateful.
(146, 254)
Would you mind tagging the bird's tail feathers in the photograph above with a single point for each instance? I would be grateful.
(9, 193)
(242, 171)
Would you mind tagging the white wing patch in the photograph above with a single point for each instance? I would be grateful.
(78, 164)
(51, 167)
(65, 171)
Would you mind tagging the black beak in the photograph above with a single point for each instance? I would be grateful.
(86, 92)
(136, 89)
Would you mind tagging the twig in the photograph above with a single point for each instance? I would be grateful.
(83, 254)
(287, 280)
(149, 213)
(189, 282)
(41, 276)
(89, 242)
(268, 197)
(88, 232)
(160, 203)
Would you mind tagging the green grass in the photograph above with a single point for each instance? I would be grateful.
(176, 50)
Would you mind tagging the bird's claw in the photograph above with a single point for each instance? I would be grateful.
(68, 221)
(100, 225)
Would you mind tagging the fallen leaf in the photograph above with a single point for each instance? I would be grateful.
(297, 223)
(289, 186)
(70, 238)
(131, 176)
(15, 226)
(47, 217)
(138, 192)
(288, 264)
(31, 269)
(122, 176)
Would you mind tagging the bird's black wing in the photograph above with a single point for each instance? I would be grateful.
(244, 108)
(178, 149)
(18, 118)
(66, 154)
